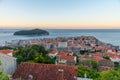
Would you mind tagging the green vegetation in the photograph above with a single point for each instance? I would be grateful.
(33, 32)
(76, 58)
(106, 57)
(93, 73)
(93, 63)
(33, 53)
(116, 65)
(5, 47)
(109, 75)
(0, 63)
(82, 70)
(83, 51)
(89, 68)
(3, 75)
(86, 51)
(96, 75)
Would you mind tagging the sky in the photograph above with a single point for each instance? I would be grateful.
(72, 14)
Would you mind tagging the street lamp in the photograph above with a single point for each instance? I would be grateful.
(85, 75)
(61, 70)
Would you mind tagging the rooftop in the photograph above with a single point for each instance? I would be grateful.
(5, 51)
(36, 71)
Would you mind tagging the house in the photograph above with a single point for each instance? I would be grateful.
(36, 71)
(53, 53)
(86, 57)
(7, 52)
(23, 42)
(66, 57)
(105, 65)
(99, 48)
(69, 52)
(34, 41)
(97, 57)
(9, 63)
(62, 44)
(91, 56)
(114, 57)
(111, 50)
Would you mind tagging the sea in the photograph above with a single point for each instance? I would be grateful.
(111, 36)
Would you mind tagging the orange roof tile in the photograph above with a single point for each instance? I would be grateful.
(53, 52)
(5, 51)
(97, 58)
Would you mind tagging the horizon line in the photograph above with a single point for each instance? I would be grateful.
(59, 28)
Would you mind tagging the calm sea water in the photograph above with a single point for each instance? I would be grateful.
(105, 35)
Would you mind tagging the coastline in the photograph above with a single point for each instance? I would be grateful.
(105, 35)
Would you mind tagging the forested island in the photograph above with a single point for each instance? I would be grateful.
(33, 32)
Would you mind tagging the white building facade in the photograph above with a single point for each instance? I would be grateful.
(62, 44)
(8, 64)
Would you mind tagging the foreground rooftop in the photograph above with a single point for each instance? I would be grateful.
(36, 71)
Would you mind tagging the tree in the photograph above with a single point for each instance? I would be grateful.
(39, 58)
(83, 51)
(82, 70)
(116, 64)
(20, 59)
(106, 57)
(33, 53)
(93, 63)
(93, 74)
(3, 76)
(109, 75)
(5, 47)
(76, 58)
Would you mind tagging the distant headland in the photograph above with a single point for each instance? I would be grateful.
(33, 32)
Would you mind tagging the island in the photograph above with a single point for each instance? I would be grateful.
(33, 32)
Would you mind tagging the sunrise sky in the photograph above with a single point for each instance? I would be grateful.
(82, 14)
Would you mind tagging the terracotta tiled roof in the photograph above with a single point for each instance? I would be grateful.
(63, 53)
(114, 56)
(67, 57)
(5, 51)
(53, 52)
(97, 58)
(45, 72)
